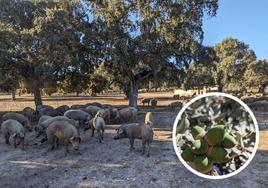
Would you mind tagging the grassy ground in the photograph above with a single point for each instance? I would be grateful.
(110, 164)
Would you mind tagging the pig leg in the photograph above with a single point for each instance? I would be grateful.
(22, 144)
(15, 142)
(149, 148)
(143, 147)
(131, 140)
(80, 123)
(50, 147)
(56, 142)
(84, 123)
(102, 133)
(7, 139)
(109, 119)
(93, 130)
(51, 143)
(66, 147)
(99, 135)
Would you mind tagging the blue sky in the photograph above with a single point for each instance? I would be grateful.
(246, 20)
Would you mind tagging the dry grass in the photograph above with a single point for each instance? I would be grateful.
(263, 144)
(6, 104)
(110, 164)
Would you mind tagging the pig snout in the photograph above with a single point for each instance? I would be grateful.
(119, 134)
(75, 142)
(116, 137)
(76, 146)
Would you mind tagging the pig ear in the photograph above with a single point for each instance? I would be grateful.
(22, 135)
(120, 131)
(14, 135)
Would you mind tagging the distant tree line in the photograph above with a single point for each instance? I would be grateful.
(231, 65)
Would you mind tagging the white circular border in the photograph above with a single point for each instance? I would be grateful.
(207, 95)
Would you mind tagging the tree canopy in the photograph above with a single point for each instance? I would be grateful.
(256, 75)
(233, 56)
(143, 37)
(86, 46)
(46, 42)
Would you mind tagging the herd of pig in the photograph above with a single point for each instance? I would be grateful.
(63, 124)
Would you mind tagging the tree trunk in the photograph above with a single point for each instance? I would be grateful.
(37, 97)
(220, 88)
(133, 95)
(262, 89)
(77, 94)
(93, 94)
(13, 94)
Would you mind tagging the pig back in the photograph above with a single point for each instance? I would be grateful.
(133, 130)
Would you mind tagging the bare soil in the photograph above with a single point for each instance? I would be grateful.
(110, 164)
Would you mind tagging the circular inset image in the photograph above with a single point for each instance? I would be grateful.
(215, 135)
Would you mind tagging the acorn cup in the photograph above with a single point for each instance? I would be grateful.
(188, 155)
(218, 154)
(203, 164)
(198, 132)
(228, 141)
(199, 147)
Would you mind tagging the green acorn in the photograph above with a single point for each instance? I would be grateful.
(188, 155)
(199, 147)
(218, 154)
(215, 135)
(228, 141)
(203, 164)
(197, 130)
